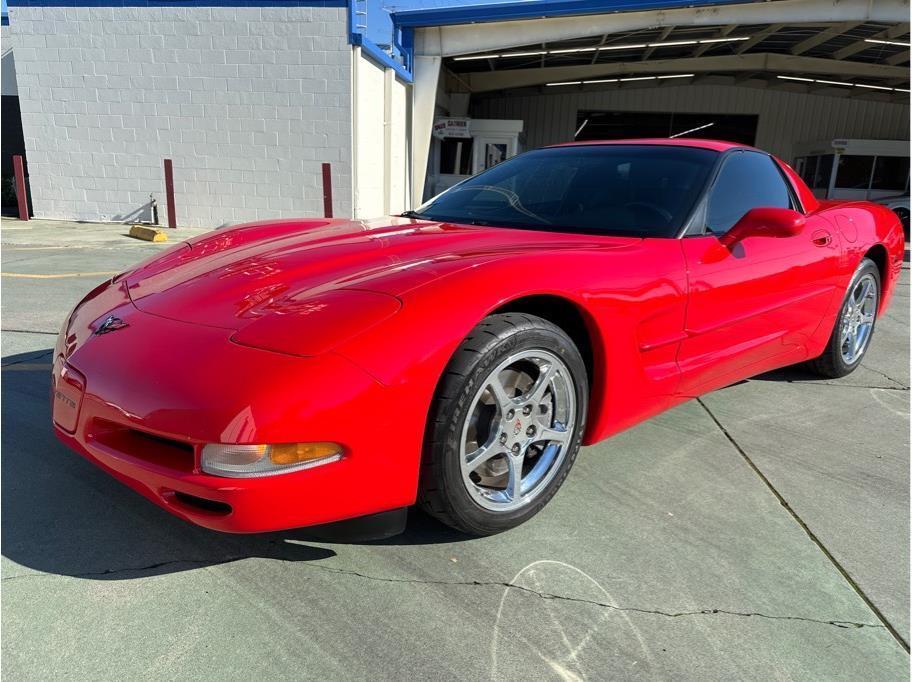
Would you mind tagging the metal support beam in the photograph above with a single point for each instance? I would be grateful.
(758, 62)
(424, 97)
(723, 32)
(447, 41)
(899, 58)
(860, 45)
(647, 53)
(824, 36)
(758, 37)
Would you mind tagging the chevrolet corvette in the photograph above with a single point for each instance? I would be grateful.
(298, 372)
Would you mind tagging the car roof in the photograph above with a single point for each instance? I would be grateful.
(715, 145)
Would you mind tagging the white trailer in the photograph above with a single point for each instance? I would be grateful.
(854, 169)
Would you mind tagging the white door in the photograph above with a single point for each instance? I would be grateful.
(489, 150)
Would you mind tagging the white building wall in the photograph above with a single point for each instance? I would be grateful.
(379, 134)
(785, 118)
(246, 101)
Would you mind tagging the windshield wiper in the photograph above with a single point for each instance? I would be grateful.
(410, 214)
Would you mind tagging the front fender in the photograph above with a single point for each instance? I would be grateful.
(634, 316)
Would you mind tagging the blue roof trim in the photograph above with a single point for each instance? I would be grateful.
(382, 58)
(370, 26)
(178, 3)
(536, 9)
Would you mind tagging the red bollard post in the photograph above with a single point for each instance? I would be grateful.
(19, 173)
(169, 193)
(327, 192)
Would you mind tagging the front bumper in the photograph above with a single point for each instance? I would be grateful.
(142, 401)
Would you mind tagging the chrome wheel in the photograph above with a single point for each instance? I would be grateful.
(518, 431)
(857, 319)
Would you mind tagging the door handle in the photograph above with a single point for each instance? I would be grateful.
(821, 238)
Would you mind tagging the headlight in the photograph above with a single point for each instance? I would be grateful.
(246, 461)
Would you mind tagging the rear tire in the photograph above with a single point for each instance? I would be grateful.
(493, 457)
(854, 327)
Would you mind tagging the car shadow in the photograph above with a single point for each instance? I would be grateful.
(793, 373)
(63, 515)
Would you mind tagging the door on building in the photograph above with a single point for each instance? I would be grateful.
(13, 144)
(752, 306)
(491, 150)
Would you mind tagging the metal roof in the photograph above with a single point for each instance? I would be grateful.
(856, 56)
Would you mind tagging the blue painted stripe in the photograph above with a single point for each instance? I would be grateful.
(532, 9)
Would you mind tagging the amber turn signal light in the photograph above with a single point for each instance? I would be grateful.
(293, 453)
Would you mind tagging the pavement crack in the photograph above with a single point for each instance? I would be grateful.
(846, 624)
(540, 594)
(900, 387)
(810, 533)
(886, 376)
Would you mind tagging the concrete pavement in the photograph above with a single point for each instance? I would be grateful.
(668, 553)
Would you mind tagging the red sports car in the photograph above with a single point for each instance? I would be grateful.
(298, 372)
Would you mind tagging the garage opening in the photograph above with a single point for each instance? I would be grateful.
(783, 86)
(616, 125)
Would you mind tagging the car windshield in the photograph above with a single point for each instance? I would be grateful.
(626, 190)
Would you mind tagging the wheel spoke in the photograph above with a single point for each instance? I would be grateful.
(553, 435)
(514, 478)
(867, 290)
(478, 457)
(867, 318)
(499, 393)
(537, 392)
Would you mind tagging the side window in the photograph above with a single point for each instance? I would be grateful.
(747, 180)
(854, 172)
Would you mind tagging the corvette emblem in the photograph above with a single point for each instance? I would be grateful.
(111, 324)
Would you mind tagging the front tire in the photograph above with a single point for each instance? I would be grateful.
(505, 425)
(854, 326)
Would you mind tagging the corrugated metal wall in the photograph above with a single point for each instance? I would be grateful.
(785, 118)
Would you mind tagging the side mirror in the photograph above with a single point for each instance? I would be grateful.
(765, 222)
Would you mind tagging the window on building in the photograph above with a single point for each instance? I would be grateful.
(854, 172)
(891, 173)
(456, 155)
(822, 173)
(747, 180)
(805, 167)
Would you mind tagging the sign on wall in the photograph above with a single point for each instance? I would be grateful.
(452, 127)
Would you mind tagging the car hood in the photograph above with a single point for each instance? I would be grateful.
(233, 276)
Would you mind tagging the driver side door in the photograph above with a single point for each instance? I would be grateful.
(753, 304)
